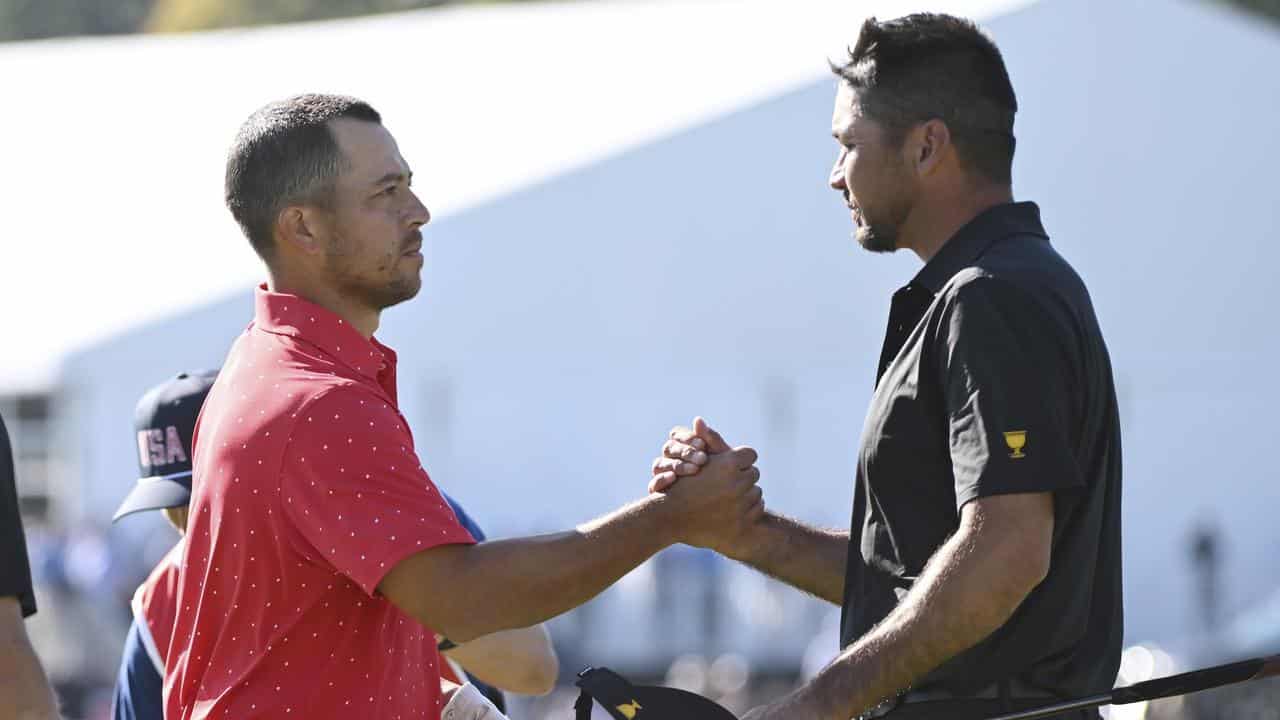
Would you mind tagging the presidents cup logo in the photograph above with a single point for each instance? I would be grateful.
(630, 709)
(1016, 440)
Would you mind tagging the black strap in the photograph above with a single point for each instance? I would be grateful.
(582, 707)
(606, 686)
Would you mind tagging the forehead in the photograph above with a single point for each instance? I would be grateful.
(370, 150)
(847, 115)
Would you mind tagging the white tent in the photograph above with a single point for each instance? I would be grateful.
(633, 227)
(114, 147)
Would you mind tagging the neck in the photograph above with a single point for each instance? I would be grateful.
(930, 225)
(359, 316)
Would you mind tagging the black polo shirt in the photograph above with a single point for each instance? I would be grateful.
(15, 571)
(995, 379)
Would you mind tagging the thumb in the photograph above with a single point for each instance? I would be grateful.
(661, 483)
(715, 443)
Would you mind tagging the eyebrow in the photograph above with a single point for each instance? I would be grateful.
(394, 177)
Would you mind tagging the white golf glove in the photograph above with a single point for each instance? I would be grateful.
(468, 704)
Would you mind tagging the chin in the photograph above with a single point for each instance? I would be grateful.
(876, 240)
(397, 292)
(406, 293)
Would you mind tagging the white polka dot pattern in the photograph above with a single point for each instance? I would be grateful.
(307, 491)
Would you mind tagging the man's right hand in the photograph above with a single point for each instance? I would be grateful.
(723, 503)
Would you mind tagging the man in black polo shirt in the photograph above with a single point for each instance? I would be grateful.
(984, 575)
(24, 692)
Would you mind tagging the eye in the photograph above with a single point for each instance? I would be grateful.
(390, 190)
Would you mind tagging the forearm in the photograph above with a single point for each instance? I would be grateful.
(969, 589)
(808, 558)
(24, 690)
(493, 586)
(521, 661)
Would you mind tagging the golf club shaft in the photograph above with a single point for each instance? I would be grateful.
(1066, 705)
(1180, 684)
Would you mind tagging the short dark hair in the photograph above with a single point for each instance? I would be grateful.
(285, 153)
(930, 66)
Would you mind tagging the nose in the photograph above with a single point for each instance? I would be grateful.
(419, 215)
(836, 180)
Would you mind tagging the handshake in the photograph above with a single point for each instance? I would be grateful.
(711, 487)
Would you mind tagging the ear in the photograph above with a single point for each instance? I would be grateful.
(929, 143)
(299, 229)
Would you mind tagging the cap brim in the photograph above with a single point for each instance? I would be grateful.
(664, 703)
(624, 701)
(153, 494)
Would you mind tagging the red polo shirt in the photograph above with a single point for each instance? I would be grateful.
(307, 491)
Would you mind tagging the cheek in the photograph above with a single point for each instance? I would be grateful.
(371, 242)
(855, 176)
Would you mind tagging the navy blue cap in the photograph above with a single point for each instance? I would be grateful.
(165, 421)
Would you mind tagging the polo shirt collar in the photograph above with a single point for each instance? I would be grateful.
(290, 315)
(970, 241)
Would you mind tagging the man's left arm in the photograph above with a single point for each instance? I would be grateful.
(971, 587)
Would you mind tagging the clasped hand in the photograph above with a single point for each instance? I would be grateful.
(716, 485)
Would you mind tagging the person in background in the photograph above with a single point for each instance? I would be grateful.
(25, 693)
(521, 661)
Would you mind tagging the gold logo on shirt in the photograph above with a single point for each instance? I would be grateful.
(629, 710)
(1016, 440)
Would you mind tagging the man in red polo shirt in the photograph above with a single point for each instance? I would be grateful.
(320, 558)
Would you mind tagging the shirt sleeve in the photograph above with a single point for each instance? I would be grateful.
(1006, 380)
(356, 491)
(15, 568)
(464, 519)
